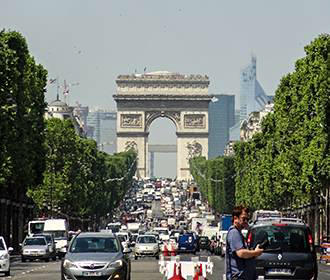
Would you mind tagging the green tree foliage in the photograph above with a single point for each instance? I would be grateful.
(288, 163)
(78, 178)
(216, 181)
(22, 88)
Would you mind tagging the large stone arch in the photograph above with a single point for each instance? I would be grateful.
(183, 99)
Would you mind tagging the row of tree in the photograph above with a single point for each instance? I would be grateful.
(216, 180)
(22, 107)
(78, 179)
(47, 161)
(287, 164)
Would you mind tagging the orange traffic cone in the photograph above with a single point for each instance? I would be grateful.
(177, 276)
(200, 270)
(173, 253)
(165, 251)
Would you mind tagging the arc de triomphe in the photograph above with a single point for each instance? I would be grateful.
(184, 99)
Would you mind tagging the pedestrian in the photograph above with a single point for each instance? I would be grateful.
(240, 263)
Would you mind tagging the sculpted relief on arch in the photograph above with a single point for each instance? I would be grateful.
(152, 115)
(195, 149)
(194, 121)
(131, 120)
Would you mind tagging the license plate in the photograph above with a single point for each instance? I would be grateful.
(92, 273)
(279, 271)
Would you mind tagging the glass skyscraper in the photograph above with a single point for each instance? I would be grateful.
(102, 128)
(252, 96)
(221, 118)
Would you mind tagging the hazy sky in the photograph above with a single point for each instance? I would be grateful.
(92, 42)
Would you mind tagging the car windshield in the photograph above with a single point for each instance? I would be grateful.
(288, 238)
(2, 245)
(94, 244)
(185, 238)
(147, 239)
(35, 241)
(36, 227)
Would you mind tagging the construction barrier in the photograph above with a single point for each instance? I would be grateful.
(193, 269)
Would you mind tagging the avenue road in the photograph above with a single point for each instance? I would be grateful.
(142, 269)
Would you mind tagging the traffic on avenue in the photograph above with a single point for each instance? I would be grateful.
(162, 228)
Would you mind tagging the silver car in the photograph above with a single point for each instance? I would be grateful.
(35, 248)
(146, 245)
(96, 255)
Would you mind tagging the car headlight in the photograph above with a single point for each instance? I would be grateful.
(115, 264)
(25, 251)
(42, 251)
(4, 256)
(69, 264)
(155, 247)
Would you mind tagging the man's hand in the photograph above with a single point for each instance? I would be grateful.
(258, 251)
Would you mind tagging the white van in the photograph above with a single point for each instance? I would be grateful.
(59, 229)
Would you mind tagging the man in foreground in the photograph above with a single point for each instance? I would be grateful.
(239, 264)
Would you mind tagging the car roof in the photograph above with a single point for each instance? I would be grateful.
(96, 234)
(272, 221)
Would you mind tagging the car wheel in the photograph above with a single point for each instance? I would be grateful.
(157, 257)
(135, 257)
(7, 273)
(47, 259)
(62, 276)
(54, 258)
(23, 260)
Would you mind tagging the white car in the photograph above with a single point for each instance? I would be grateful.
(146, 245)
(4, 257)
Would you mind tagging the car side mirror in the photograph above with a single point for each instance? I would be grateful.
(127, 250)
(10, 250)
(20, 244)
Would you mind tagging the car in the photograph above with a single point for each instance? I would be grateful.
(188, 243)
(35, 247)
(146, 245)
(96, 255)
(289, 251)
(222, 242)
(204, 243)
(5, 257)
(51, 244)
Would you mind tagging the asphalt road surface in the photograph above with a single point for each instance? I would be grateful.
(145, 268)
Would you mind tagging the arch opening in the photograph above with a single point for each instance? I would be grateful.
(162, 140)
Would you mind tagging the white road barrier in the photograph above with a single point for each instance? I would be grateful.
(188, 267)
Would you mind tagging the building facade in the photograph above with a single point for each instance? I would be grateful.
(221, 118)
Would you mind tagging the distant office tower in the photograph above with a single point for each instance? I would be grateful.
(252, 96)
(94, 126)
(221, 118)
(102, 128)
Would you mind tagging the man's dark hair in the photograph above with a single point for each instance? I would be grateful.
(238, 210)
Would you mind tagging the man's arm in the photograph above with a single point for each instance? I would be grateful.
(248, 254)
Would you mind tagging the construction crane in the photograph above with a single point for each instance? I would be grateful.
(66, 89)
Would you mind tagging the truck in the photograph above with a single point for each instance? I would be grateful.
(59, 229)
(225, 221)
(36, 226)
(133, 227)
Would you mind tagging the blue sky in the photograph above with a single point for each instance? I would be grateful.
(92, 42)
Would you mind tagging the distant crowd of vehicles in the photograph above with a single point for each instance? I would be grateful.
(166, 215)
